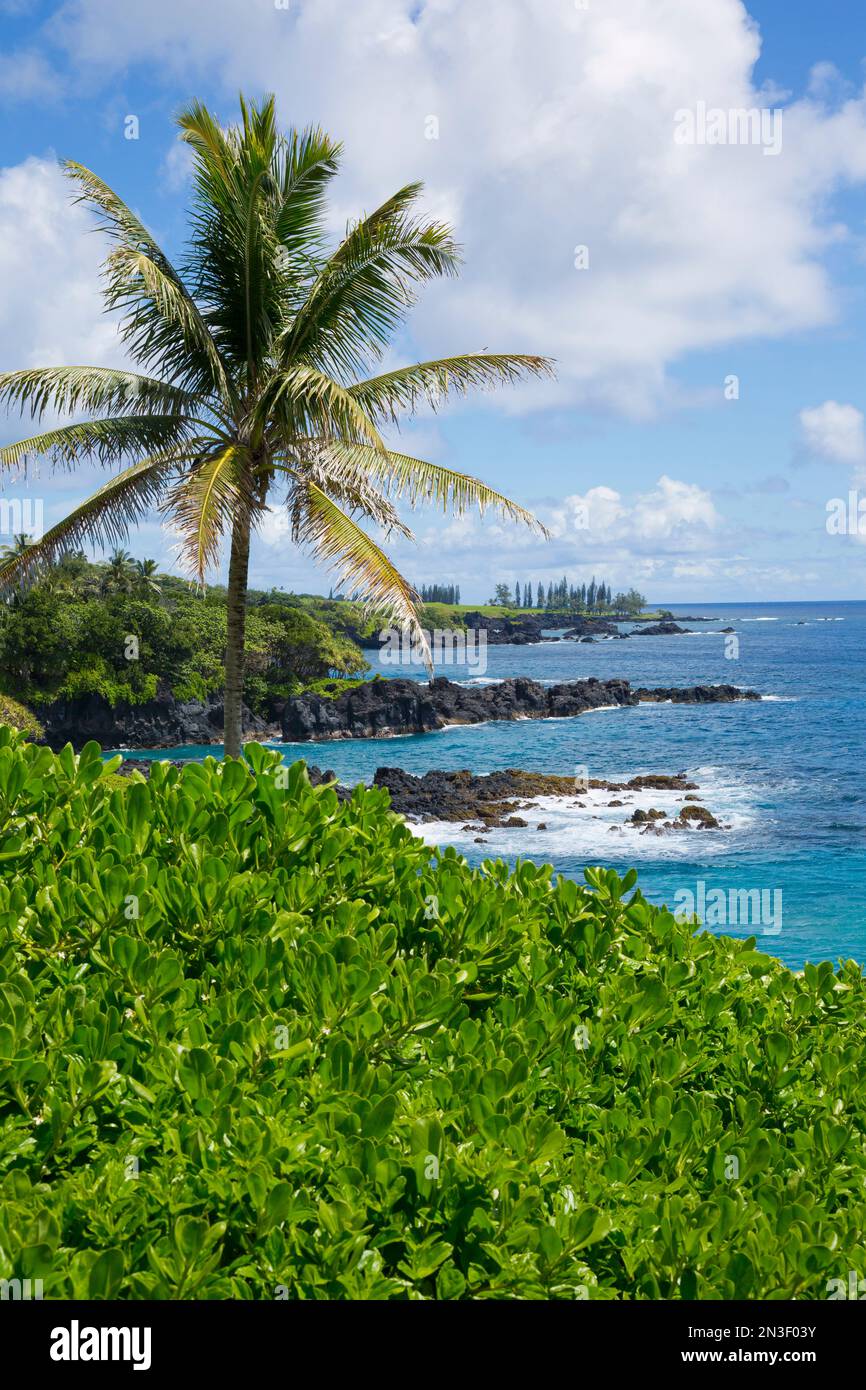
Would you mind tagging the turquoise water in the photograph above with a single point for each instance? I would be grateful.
(785, 776)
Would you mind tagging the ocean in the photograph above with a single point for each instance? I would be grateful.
(785, 777)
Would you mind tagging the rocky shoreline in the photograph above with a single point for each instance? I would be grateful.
(387, 708)
(377, 709)
(502, 800)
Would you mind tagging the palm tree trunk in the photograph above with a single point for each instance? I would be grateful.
(236, 621)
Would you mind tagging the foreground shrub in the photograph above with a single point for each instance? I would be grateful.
(257, 1043)
(18, 716)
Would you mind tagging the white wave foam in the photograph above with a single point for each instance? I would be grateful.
(758, 620)
(595, 829)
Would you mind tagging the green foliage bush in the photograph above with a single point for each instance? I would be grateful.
(17, 716)
(64, 644)
(258, 1043)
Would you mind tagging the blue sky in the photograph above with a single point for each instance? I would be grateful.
(555, 130)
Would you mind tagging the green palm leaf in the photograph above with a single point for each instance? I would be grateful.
(69, 389)
(388, 395)
(103, 519)
(163, 324)
(344, 547)
(365, 289)
(303, 400)
(107, 441)
(169, 328)
(205, 502)
(419, 482)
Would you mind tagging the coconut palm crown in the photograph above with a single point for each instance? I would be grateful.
(254, 386)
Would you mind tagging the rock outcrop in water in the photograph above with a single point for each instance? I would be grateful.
(663, 629)
(491, 801)
(493, 798)
(386, 708)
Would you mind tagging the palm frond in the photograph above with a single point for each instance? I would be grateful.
(116, 219)
(107, 441)
(340, 544)
(162, 323)
(365, 289)
(204, 503)
(103, 519)
(126, 290)
(384, 397)
(234, 245)
(69, 389)
(418, 481)
(354, 493)
(301, 401)
(307, 161)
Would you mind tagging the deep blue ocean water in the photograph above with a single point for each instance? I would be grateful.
(785, 776)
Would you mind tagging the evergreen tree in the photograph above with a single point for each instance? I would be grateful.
(590, 595)
(527, 594)
(517, 599)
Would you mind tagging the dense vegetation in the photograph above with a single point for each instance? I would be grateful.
(258, 1043)
(114, 631)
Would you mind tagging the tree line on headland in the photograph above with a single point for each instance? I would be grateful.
(578, 598)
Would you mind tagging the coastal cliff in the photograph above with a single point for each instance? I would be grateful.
(382, 709)
(376, 709)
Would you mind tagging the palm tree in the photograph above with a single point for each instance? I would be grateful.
(144, 577)
(20, 546)
(117, 578)
(254, 387)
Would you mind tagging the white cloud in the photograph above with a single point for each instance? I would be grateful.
(177, 167)
(27, 75)
(675, 515)
(555, 130)
(51, 308)
(643, 538)
(834, 433)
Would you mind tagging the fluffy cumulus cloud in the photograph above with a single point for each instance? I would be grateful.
(543, 128)
(673, 516)
(659, 536)
(50, 309)
(834, 433)
(546, 132)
